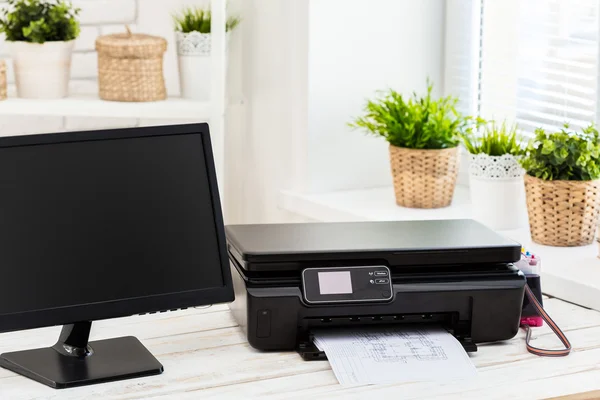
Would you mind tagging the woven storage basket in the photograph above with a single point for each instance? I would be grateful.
(562, 213)
(2, 80)
(130, 67)
(424, 178)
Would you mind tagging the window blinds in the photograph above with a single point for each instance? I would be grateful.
(537, 61)
(462, 47)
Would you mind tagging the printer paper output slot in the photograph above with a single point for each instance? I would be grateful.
(448, 321)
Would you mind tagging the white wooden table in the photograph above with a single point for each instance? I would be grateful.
(205, 356)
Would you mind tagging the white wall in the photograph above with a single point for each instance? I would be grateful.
(302, 69)
(356, 48)
(267, 106)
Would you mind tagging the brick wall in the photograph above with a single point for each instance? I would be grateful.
(99, 17)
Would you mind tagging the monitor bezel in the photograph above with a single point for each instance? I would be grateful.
(139, 305)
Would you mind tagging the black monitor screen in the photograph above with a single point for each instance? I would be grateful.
(101, 220)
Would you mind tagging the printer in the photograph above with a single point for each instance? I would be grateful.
(292, 279)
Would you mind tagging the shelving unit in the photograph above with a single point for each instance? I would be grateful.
(86, 103)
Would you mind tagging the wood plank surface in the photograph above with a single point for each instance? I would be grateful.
(206, 355)
(594, 394)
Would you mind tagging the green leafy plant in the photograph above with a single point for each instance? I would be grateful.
(415, 122)
(39, 21)
(199, 20)
(564, 155)
(495, 140)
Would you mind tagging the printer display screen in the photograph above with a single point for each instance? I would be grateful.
(350, 284)
(339, 282)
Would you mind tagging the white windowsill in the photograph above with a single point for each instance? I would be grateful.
(571, 274)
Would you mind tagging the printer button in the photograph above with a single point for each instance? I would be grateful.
(386, 294)
(381, 273)
(382, 280)
(263, 324)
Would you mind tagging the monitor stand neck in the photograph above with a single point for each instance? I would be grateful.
(73, 340)
(72, 361)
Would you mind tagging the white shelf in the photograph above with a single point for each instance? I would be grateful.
(571, 273)
(83, 105)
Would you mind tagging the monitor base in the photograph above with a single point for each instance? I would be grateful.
(75, 362)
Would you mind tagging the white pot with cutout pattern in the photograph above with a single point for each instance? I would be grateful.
(193, 52)
(497, 191)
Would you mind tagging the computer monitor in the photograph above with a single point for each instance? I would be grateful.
(105, 224)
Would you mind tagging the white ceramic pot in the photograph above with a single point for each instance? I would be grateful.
(43, 70)
(193, 50)
(194, 77)
(497, 191)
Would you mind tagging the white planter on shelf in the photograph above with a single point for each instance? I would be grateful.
(42, 70)
(497, 191)
(193, 51)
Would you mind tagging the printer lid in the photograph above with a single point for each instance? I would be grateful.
(277, 247)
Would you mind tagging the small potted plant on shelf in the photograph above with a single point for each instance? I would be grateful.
(41, 35)
(193, 34)
(562, 185)
(496, 177)
(423, 134)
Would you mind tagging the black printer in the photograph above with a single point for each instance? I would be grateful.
(291, 279)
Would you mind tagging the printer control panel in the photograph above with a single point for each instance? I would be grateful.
(347, 284)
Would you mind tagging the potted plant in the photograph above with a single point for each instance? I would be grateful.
(562, 186)
(496, 177)
(423, 134)
(41, 35)
(192, 29)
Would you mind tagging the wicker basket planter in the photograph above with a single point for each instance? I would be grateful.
(424, 178)
(562, 213)
(130, 67)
